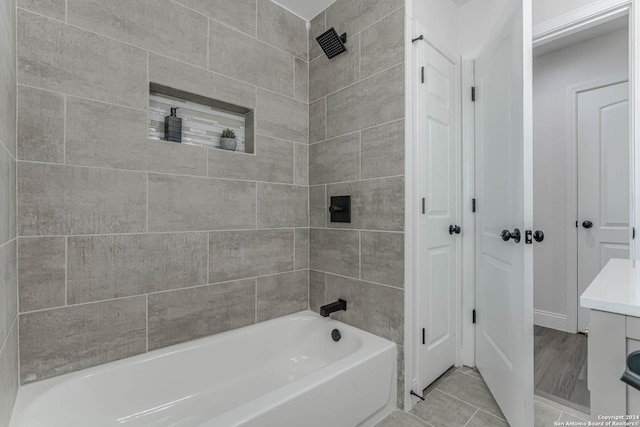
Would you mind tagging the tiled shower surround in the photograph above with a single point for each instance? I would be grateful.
(8, 241)
(126, 244)
(356, 135)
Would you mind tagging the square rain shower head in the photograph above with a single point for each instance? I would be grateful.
(331, 43)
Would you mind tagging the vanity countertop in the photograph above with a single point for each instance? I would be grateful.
(616, 289)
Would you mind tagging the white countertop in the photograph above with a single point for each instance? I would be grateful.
(615, 289)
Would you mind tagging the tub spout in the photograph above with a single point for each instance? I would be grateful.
(339, 305)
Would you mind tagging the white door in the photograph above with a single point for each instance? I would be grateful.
(504, 189)
(439, 238)
(603, 182)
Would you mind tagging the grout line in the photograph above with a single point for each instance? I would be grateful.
(359, 81)
(203, 177)
(419, 419)
(64, 128)
(469, 420)
(255, 302)
(6, 338)
(358, 180)
(66, 270)
(145, 233)
(147, 320)
(360, 254)
(208, 256)
(354, 131)
(360, 156)
(327, 273)
(165, 291)
(147, 202)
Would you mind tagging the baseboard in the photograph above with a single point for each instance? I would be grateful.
(550, 320)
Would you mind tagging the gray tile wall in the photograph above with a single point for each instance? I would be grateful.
(356, 132)
(127, 245)
(8, 241)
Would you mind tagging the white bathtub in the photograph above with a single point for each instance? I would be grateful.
(280, 373)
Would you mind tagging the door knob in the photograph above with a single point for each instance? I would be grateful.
(587, 224)
(515, 235)
(538, 235)
(454, 229)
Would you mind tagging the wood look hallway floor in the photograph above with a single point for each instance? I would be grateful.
(560, 367)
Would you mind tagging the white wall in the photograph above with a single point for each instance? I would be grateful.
(440, 19)
(476, 20)
(553, 73)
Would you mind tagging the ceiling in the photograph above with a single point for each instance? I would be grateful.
(306, 9)
(461, 2)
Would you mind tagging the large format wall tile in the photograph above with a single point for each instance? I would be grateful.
(335, 160)
(282, 294)
(382, 44)
(241, 254)
(233, 53)
(282, 117)
(383, 150)
(178, 75)
(335, 251)
(188, 314)
(272, 162)
(41, 273)
(383, 258)
(8, 33)
(281, 28)
(62, 340)
(301, 90)
(40, 125)
(8, 106)
(352, 16)
(329, 75)
(374, 308)
(376, 204)
(301, 170)
(100, 135)
(51, 8)
(318, 206)
(317, 111)
(56, 199)
(316, 28)
(316, 290)
(157, 25)
(59, 57)
(8, 375)
(105, 267)
(240, 14)
(370, 102)
(7, 195)
(302, 248)
(8, 288)
(281, 206)
(179, 203)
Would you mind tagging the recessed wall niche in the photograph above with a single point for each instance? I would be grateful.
(203, 119)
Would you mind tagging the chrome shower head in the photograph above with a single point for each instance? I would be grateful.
(331, 43)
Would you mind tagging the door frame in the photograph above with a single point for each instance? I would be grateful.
(413, 197)
(586, 17)
(572, 191)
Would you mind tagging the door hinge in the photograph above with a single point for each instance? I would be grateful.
(422, 74)
(633, 233)
(473, 205)
(576, 224)
(473, 93)
(424, 206)
(424, 336)
(473, 317)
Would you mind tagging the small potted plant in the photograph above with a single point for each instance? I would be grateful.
(228, 140)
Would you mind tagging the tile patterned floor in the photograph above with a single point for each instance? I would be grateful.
(462, 399)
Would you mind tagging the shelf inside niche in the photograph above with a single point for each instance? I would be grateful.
(203, 118)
